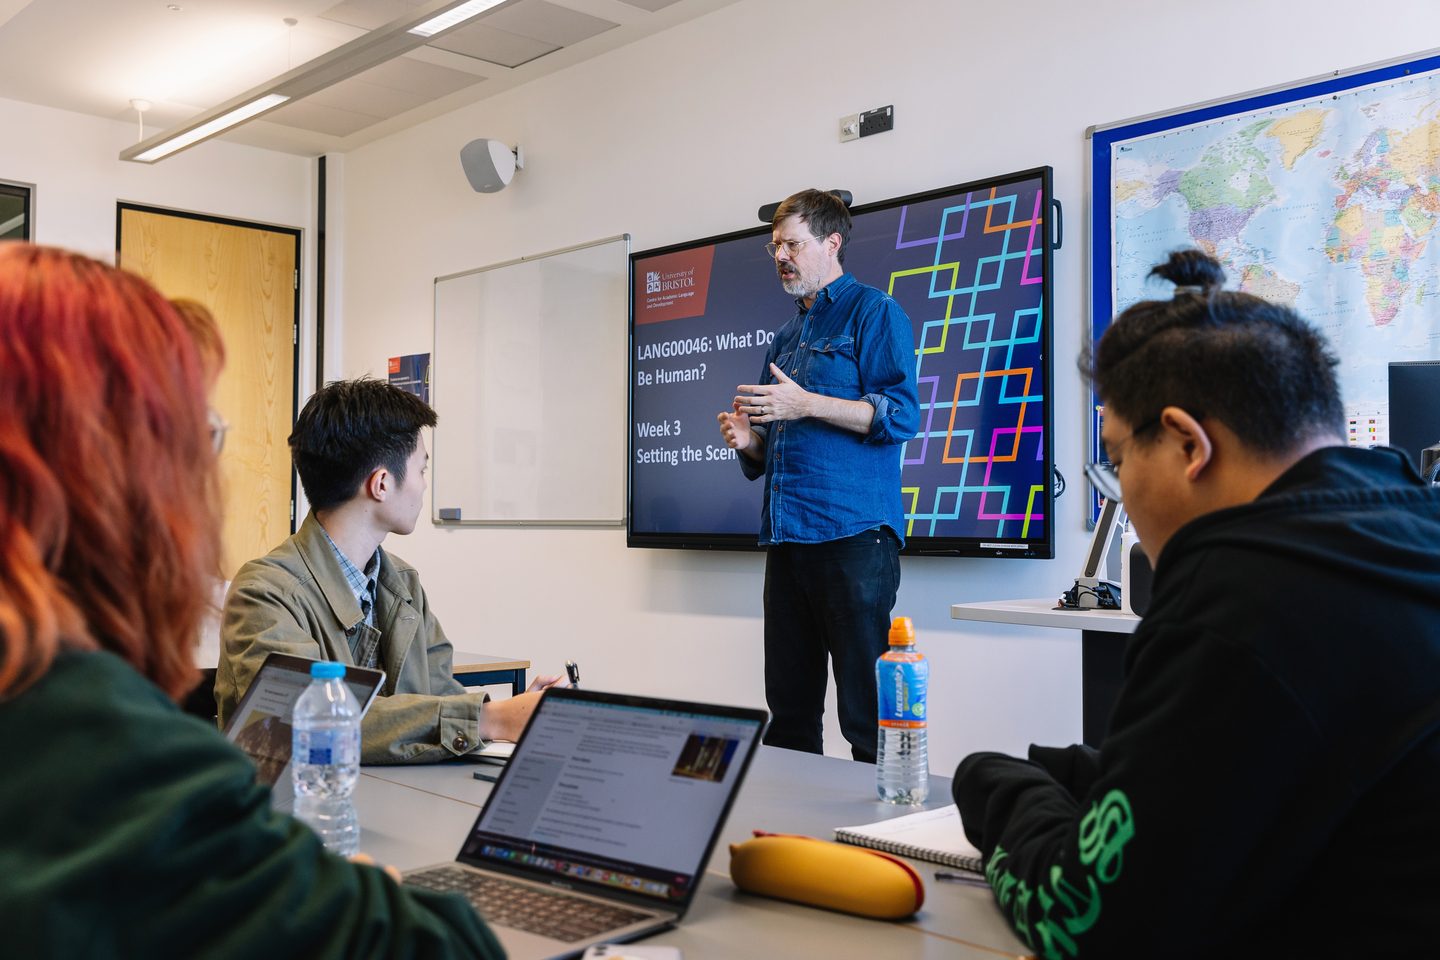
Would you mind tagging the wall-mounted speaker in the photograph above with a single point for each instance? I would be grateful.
(489, 164)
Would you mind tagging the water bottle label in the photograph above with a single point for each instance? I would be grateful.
(331, 746)
(903, 678)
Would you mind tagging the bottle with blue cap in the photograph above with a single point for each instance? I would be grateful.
(325, 758)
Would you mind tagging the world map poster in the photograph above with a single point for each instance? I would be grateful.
(1324, 196)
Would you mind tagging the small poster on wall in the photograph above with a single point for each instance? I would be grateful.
(412, 373)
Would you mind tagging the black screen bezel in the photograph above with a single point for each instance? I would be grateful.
(1031, 548)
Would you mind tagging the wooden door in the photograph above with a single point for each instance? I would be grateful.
(247, 275)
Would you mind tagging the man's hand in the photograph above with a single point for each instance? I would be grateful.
(544, 683)
(735, 429)
(504, 719)
(771, 402)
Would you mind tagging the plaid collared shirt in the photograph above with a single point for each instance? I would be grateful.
(363, 584)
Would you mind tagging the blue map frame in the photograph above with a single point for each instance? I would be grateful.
(1104, 139)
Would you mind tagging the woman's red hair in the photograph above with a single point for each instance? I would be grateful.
(109, 498)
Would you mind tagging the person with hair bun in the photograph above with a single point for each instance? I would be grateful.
(1270, 781)
(132, 829)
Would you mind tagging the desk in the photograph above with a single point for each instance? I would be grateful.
(1102, 648)
(414, 816)
(478, 669)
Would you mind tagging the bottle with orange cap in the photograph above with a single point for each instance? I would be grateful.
(902, 765)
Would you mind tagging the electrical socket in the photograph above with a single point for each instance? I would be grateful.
(878, 120)
(850, 127)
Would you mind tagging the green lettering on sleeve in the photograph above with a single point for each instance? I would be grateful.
(1082, 907)
(1104, 831)
(1064, 909)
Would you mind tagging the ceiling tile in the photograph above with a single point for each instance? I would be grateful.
(548, 22)
(651, 5)
(497, 46)
(379, 93)
(308, 114)
(369, 14)
(427, 80)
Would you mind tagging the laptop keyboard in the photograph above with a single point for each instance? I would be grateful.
(543, 912)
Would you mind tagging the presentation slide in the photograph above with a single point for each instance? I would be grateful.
(967, 264)
(625, 784)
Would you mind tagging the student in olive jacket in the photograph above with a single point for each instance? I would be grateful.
(131, 829)
(331, 592)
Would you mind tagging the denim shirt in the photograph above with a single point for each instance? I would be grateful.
(823, 482)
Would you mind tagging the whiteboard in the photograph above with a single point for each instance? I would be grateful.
(528, 380)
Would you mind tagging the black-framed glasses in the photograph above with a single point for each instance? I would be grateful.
(1102, 475)
(792, 247)
(1105, 480)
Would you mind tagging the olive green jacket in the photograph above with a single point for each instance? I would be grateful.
(134, 830)
(296, 600)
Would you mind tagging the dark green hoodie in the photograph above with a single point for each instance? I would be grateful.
(132, 830)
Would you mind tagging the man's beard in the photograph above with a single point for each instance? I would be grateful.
(796, 285)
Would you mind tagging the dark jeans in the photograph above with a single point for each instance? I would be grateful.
(827, 599)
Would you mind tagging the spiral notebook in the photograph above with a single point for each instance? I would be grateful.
(933, 835)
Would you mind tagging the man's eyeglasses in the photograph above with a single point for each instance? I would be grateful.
(1105, 480)
(218, 428)
(1102, 475)
(791, 246)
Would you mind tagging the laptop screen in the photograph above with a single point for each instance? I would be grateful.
(261, 723)
(618, 792)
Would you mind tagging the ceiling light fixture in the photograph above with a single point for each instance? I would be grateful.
(209, 128)
(467, 10)
(365, 51)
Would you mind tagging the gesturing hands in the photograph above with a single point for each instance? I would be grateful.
(772, 402)
(735, 428)
(762, 403)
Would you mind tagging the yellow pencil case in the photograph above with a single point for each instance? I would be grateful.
(830, 875)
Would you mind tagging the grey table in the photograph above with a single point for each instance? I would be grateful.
(414, 816)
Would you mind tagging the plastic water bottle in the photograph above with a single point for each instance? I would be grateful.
(325, 758)
(902, 766)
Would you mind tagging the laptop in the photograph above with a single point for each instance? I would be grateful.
(599, 828)
(261, 723)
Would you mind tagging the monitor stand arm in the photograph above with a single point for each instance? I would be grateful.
(1091, 591)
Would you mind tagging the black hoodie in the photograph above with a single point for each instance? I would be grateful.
(1270, 786)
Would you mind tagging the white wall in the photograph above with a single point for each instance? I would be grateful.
(71, 160)
(684, 135)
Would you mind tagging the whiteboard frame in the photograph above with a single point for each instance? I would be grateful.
(436, 366)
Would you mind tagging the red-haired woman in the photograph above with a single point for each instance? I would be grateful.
(131, 829)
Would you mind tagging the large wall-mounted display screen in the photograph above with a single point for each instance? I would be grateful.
(970, 265)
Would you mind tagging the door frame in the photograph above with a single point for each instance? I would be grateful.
(26, 193)
(295, 233)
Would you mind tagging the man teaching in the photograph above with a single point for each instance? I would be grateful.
(824, 427)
